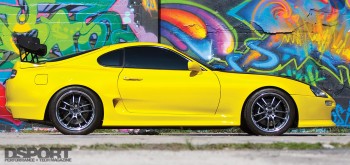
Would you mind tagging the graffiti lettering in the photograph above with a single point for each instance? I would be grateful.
(304, 40)
(67, 27)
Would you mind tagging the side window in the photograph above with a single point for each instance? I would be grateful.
(154, 58)
(112, 59)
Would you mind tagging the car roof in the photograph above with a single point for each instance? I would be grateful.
(114, 46)
(130, 44)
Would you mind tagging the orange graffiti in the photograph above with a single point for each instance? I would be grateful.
(186, 21)
(253, 56)
(325, 1)
(333, 16)
(280, 9)
(150, 5)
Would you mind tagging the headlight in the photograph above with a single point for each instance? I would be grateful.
(318, 92)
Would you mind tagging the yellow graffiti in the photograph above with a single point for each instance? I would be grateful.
(150, 5)
(325, 38)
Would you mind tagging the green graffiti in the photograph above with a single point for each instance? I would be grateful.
(309, 74)
(93, 27)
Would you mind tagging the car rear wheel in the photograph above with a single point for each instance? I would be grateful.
(269, 112)
(75, 111)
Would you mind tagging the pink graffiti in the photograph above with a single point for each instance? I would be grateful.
(121, 7)
(4, 114)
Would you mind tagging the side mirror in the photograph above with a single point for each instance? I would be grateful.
(194, 66)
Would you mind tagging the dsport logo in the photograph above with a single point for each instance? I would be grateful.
(32, 154)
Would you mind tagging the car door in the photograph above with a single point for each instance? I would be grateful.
(157, 81)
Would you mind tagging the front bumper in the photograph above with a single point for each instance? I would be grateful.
(314, 111)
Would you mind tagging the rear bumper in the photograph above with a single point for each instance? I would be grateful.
(26, 112)
(25, 101)
(313, 111)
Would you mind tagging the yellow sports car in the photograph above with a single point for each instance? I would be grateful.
(153, 85)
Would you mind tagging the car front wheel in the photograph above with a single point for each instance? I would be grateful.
(269, 112)
(75, 111)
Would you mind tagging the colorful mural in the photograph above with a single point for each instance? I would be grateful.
(305, 40)
(69, 26)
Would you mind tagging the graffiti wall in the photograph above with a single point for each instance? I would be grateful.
(305, 40)
(67, 27)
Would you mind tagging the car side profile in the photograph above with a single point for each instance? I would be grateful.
(154, 85)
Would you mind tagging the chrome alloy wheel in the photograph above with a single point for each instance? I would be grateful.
(75, 110)
(270, 112)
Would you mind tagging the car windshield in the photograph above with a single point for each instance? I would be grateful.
(214, 68)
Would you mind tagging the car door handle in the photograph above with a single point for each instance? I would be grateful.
(133, 79)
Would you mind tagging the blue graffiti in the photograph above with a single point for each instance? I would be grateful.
(11, 126)
(201, 48)
(271, 61)
(4, 75)
(232, 61)
(341, 116)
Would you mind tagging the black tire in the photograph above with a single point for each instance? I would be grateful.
(269, 112)
(245, 129)
(75, 111)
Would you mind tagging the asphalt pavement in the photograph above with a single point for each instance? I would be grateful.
(196, 139)
(186, 157)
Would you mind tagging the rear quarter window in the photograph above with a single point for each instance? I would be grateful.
(112, 59)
